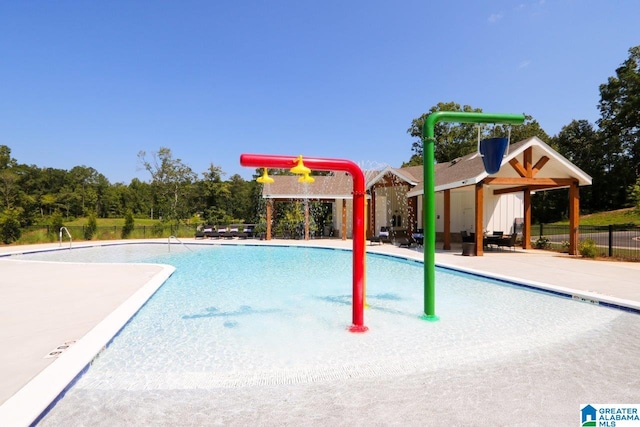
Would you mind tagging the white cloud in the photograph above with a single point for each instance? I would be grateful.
(495, 17)
(524, 64)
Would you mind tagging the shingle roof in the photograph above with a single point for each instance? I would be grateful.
(339, 185)
(463, 171)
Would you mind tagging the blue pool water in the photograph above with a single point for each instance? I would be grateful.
(234, 316)
(257, 336)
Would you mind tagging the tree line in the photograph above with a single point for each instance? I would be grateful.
(33, 195)
(609, 150)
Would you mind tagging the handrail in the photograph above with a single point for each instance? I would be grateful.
(68, 234)
(180, 241)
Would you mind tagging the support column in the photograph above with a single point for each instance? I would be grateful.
(306, 219)
(344, 219)
(269, 219)
(447, 220)
(371, 215)
(574, 218)
(479, 218)
(526, 232)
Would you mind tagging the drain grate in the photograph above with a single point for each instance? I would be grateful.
(59, 349)
(587, 300)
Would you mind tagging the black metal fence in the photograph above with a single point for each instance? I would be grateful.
(616, 241)
(79, 232)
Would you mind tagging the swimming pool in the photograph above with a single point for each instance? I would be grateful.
(236, 318)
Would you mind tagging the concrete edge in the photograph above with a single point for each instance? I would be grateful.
(32, 400)
(587, 296)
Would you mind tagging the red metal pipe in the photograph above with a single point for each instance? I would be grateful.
(316, 163)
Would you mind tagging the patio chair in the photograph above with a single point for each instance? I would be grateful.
(418, 237)
(509, 242)
(382, 237)
(468, 237)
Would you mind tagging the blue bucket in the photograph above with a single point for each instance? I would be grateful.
(492, 151)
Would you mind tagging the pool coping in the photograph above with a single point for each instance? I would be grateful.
(33, 401)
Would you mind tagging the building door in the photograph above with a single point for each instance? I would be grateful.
(381, 214)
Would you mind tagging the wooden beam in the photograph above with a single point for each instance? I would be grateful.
(528, 160)
(549, 182)
(525, 187)
(479, 203)
(517, 166)
(447, 220)
(539, 165)
(574, 218)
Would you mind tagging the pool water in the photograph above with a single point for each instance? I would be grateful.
(234, 316)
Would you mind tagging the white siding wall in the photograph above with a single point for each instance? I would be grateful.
(337, 218)
(499, 211)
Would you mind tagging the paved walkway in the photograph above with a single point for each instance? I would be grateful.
(43, 304)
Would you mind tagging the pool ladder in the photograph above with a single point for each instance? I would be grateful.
(68, 234)
(179, 241)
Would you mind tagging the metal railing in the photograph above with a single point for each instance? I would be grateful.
(614, 241)
(179, 241)
(68, 234)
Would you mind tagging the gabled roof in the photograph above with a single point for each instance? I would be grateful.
(405, 174)
(461, 172)
(469, 170)
(338, 186)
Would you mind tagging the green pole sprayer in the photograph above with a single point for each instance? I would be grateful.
(429, 208)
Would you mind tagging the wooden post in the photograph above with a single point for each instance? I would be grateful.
(526, 232)
(269, 219)
(447, 220)
(371, 226)
(479, 218)
(344, 219)
(306, 219)
(574, 218)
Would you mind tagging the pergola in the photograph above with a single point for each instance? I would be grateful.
(530, 166)
(324, 189)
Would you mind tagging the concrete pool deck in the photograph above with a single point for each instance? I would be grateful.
(44, 304)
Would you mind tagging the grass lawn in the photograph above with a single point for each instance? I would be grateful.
(621, 216)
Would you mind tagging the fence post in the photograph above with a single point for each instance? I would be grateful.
(610, 240)
(541, 229)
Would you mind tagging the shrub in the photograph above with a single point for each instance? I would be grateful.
(587, 248)
(56, 223)
(9, 226)
(91, 227)
(542, 243)
(128, 225)
(564, 246)
(158, 230)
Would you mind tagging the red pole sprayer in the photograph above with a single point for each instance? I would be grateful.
(316, 163)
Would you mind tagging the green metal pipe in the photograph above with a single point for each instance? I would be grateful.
(429, 195)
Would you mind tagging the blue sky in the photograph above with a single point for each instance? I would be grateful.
(94, 83)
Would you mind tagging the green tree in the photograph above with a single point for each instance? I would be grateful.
(620, 124)
(455, 140)
(171, 180)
